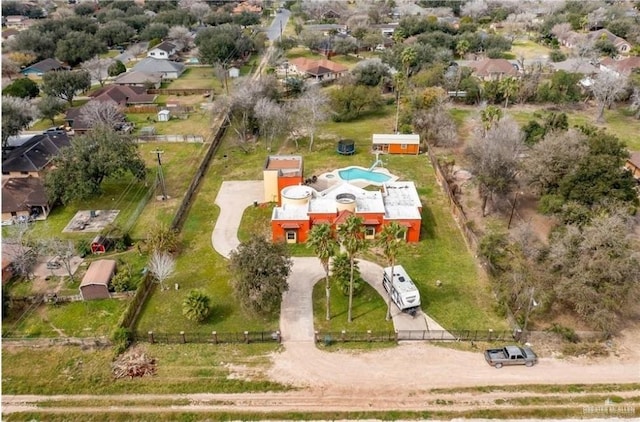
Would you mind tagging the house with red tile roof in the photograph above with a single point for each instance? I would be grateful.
(493, 69)
(621, 67)
(318, 69)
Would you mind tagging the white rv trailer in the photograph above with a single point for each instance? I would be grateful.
(404, 293)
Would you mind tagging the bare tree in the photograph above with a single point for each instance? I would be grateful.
(9, 67)
(17, 248)
(494, 159)
(200, 10)
(161, 266)
(474, 8)
(272, 120)
(181, 36)
(434, 122)
(561, 30)
(311, 110)
(98, 68)
(607, 87)
(551, 159)
(64, 252)
(106, 113)
(136, 49)
(635, 102)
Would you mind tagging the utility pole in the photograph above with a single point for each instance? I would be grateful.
(160, 175)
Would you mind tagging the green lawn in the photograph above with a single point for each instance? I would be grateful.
(92, 318)
(529, 50)
(70, 370)
(197, 123)
(197, 77)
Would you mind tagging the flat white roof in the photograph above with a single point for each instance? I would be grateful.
(410, 139)
(401, 279)
(291, 212)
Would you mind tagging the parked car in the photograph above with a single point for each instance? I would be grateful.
(510, 355)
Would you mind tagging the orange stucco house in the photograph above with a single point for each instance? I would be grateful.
(396, 143)
(279, 172)
(302, 207)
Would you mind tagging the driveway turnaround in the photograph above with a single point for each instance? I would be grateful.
(296, 316)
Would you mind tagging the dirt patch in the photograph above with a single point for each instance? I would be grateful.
(91, 221)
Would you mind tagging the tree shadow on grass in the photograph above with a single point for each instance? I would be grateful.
(427, 228)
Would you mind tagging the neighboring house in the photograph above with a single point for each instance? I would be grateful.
(166, 68)
(330, 14)
(34, 156)
(570, 38)
(396, 143)
(623, 46)
(387, 29)
(16, 22)
(303, 207)
(493, 69)
(164, 50)
(23, 193)
(573, 65)
(123, 95)
(317, 69)
(326, 28)
(24, 198)
(134, 78)
(279, 172)
(633, 164)
(77, 121)
(621, 67)
(95, 283)
(40, 68)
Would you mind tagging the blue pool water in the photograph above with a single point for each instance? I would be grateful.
(358, 173)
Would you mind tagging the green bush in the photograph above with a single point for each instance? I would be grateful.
(550, 204)
(83, 247)
(557, 56)
(121, 339)
(121, 282)
(567, 333)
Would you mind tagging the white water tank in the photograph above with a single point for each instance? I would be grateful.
(346, 201)
(296, 195)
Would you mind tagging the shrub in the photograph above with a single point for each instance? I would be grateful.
(567, 333)
(83, 247)
(121, 339)
(196, 306)
(557, 56)
(121, 282)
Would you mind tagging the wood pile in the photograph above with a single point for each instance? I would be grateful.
(133, 364)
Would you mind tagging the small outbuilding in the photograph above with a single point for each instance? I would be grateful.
(95, 284)
(234, 72)
(397, 143)
(100, 244)
(164, 115)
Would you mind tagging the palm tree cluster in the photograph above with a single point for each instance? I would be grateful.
(350, 237)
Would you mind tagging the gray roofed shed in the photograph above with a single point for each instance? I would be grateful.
(95, 283)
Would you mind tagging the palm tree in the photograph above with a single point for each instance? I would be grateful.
(196, 306)
(389, 240)
(324, 245)
(509, 87)
(408, 56)
(351, 237)
(489, 116)
(462, 48)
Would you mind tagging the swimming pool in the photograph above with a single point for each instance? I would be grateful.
(353, 173)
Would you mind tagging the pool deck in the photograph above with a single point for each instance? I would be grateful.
(326, 180)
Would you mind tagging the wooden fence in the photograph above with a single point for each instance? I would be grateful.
(203, 338)
(179, 92)
(170, 138)
(139, 109)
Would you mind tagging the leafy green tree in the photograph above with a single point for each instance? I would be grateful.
(324, 246)
(222, 44)
(79, 170)
(350, 101)
(175, 17)
(371, 72)
(196, 306)
(84, 9)
(390, 239)
(65, 84)
(17, 114)
(490, 116)
(245, 19)
(22, 88)
(161, 238)
(121, 282)
(286, 43)
(114, 33)
(49, 107)
(351, 238)
(116, 68)
(77, 47)
(155, 30)
(563, 87)
(33, 41)
(260, 270)
(408, 57)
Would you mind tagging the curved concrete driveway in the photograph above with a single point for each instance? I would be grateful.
(296, 316)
